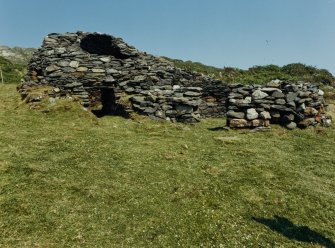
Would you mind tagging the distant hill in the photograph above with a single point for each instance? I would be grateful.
(17, 55)
(12, 73)
(13, 62)
(260, 74)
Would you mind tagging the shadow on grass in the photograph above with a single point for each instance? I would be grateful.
(221, 128)
(287, 228)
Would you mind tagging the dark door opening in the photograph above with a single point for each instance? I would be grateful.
(109, 105)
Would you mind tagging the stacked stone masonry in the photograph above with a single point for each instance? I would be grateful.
(290, 104)
(109, 76)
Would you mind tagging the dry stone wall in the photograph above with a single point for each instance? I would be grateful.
(289, 104)
(110, 76)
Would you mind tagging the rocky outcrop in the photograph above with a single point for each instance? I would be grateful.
(290, 104)
(110, 76)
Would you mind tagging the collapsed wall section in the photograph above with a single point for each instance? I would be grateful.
(289, 104)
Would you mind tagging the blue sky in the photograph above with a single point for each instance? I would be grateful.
(238, 33)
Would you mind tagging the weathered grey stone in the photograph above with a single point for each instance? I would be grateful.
(150, 110)
(160, 114)
(112, 71)
(259, 123)
(192, 94)
(291, 105)
(98, 70)
(269, 89)
(321, 92)
(275, 114)
(326, 121)
(265, 115)
(137, 99)
(74, 64)
(197, 89)
(52, 68)
(82, 69)
(176, 87)
(258, 94)
(280, 101)
(68, 69)
(290, 97)
(274, 83)
(235, 95)
(73, 84)
(278, 94)
(252, 114)
(238, 123)
(109, 79)
(56, 90)
(281, 108)
(63, 63)
(301, 107)
(49, 40)
(242, 91)
(60, 50)
(139, 78)
(304, 94)
(235, 115)
(305, 100)
(105, 59)
(292, 125)
(129, 90)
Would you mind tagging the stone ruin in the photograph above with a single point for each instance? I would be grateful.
(109, 76)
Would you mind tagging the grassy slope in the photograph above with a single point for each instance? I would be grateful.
(260, 74)
(70, 180)
(12, 73)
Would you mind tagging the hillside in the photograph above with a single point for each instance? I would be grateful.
(12, 73)
(13, 62)
(261, 74)
(68, 179)
(17, 55)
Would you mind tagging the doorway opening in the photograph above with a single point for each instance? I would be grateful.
(107, 104)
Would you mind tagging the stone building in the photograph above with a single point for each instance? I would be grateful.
(111, 77)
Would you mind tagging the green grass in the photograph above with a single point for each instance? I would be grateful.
(68, 179)
(12, 73)
(260, 74)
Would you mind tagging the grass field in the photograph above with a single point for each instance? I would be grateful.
(68, 179)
